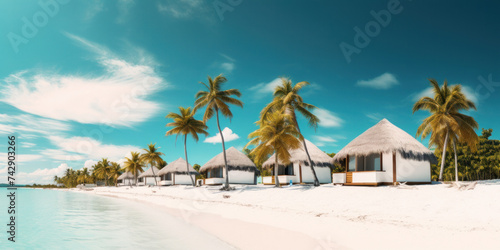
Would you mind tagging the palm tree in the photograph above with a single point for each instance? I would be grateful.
(103, 170)
(152, 157)
(114, 172)
(287, 100)
(184, 124)
(133, 164)
(83, 176)
(446, 124)
(277, 134)
(162, 164)
(56, 179)
(217, 100)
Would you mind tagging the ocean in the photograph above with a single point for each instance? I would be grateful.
(59, 219)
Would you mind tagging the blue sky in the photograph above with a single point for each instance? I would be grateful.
(82, 80)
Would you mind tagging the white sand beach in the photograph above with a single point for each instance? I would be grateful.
(333, 217)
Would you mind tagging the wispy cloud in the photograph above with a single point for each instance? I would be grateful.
(227, 67)
(94, 8)
(384, 81)
(79, 148)
(321, 141)
(120, 96)
(124, 7)
(228, 136)
(22, 157)
(375, 116)
(184, 9)
(28, 124)
(265, 88)
(327, 118)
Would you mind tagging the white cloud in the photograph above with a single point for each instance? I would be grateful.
(321, 141)
(22, 124)
(87, 148)
(58, 154)
(40, 176)
(266, 88)
(384, 81)
(228, 136)
(228, 67)
(327, 119)
(21, 157)
(118, 97)
(89, 163)
(27, 144)
(182, 9)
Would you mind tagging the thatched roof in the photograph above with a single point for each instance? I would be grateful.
(149, 172)
(126, 175)
(386, 137)
(236, 160)
(178, 167)
(319, 158)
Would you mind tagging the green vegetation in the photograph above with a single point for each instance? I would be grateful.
(446, 125)
(482, 164)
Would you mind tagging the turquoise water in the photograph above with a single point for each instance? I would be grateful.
(56, 219)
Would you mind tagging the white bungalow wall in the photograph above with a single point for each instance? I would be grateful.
(183, 179)
(323, 173)
(412, 170)
(241, 177)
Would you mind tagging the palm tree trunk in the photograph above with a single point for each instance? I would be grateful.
(154, 176)
(187, 163)
(226, 185)
(276, 169)
(316, 181)
(456, 160)
(443, 156)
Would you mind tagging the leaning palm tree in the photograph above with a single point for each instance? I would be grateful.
(133, 165)
(152, 157)
(114, 172)
(277, 134)
(446, 124)
(287, 100)
(185, 124)
(217, 100)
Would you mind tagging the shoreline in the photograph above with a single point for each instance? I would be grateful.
(332, 217)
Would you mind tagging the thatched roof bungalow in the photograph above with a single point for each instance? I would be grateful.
(126, 179)
(241, 169)
(298, 170)
(148, 177)
(176, 173)
(384, 154)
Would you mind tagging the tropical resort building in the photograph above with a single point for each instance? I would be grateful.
(148, 177)
(241, 169)
(126, 179)
(384, 154)
(176, 173)
(298, 170)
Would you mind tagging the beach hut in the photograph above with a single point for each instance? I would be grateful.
(384, 154)
(299, 171)
(175, 173)
(126, 179)
(148, 178)
(241, 169)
